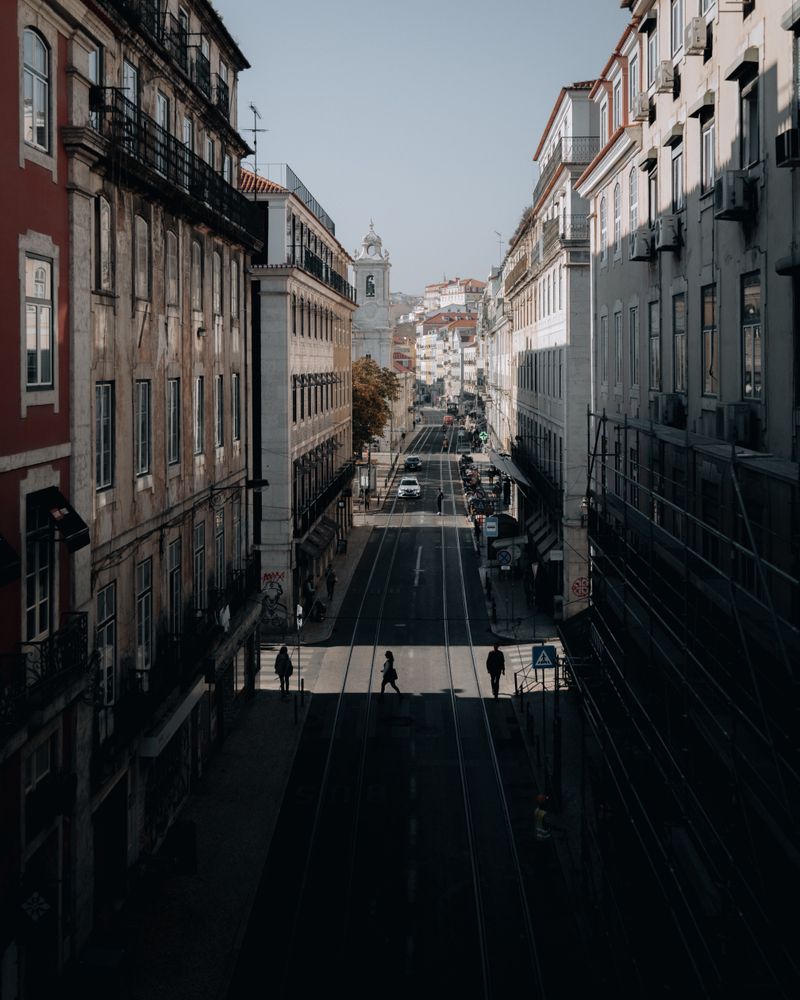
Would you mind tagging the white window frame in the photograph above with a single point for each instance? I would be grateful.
(103, 245)
(199, 415)
(633, 200)
(236, 388)
(219, 411)
(708, 156)
(197, 276)
(617, 221)
(104, 422)
(36, 82)
(141, 251)
(676, 26)
(603, 230)
(173, 421)
(144, 618)
(39, 330)
(143, 436)
(216, 283)
(106, 642)
(234, 288)
(172, 289)
(633, 345)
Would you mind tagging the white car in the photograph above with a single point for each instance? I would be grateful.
(409, 487)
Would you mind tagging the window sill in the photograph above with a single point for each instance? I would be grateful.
(174, 470)
(106, 497)
(144, 483)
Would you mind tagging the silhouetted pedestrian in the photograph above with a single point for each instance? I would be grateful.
(366, 498)
(389, 673)
(477, 528)
(496, 665)
(284, 669)
(439, 501)
(330, 581)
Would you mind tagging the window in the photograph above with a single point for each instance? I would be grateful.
(173, 421)
(751, 137)
(104, 435)
(197, 277)
(142, 431)
(618, 348)
(36, 91)
(227, 168)
(708, 171)
(38, 562)
(174, 587)
(604, 123)
(238, 539)
(210, 152)
(677, 177)
(172, 269)
(710, 341)
(199, 414)
(106, 637)
(216, 283)
(130, 103)
(142, 258)
(752, 374)
(199, 567)
(161, 135)
(633, 81)
(652, 197)
(370, 290)
(603, 231)
(39, 322)
(96, 77)
(706, 5)
(633, 334)
(617, 221)
(676, 26)
(235, 291)
(219, 548)
(236, 429)
(679, 342)
(102, 245)
(188, 144)
(633, 200)
(144, 618)
(652, 56)
(294, 314)
(617, 104)
(219, 411)
(603, 348)
(654, 335)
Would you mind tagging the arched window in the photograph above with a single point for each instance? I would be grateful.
(36, 90)
(633, 202)
(617, 220)
(370, 286)
(603, 230)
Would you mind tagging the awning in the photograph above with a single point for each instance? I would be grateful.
(744, 66)
(542, 532)
(152, 745)
(704, 107)
(319, 538)
(507, 467)
(73, 529)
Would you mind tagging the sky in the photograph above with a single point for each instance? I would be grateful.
(422, 115)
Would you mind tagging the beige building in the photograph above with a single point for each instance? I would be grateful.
(302, 390)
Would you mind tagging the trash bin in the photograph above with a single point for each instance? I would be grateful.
(342, 546)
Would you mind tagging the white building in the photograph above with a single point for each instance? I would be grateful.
(372, 327)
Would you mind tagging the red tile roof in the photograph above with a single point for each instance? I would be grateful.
(250, 182)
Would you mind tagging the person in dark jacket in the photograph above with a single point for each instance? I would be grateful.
(330, 581)
(439, 499)
(496, 665)
(389, 673)
(284, 669)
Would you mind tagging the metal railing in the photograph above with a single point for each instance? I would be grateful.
(222, 95)
(282, 173)
(578, 149)
(325, 273)
(574, 227)
(202, 74)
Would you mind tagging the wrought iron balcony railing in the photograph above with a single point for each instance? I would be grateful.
(176, 42)
(326, 274)
(202, 74)
(571, 150)
(222, 96)
(31, 678)
(158, 159)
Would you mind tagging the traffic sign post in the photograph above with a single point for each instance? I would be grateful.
(491, 527)
(543, 656)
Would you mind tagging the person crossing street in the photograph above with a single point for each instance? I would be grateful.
(496, 665)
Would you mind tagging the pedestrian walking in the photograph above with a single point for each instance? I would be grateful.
(330, 581)
(284, 669)
(477, 530)
(496, 665)
(540, 818)
(439, 501)
(366, 498)
(389, 673)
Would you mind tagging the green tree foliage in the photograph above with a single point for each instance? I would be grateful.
(374, 389)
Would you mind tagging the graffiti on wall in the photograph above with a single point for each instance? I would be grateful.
(275, 615)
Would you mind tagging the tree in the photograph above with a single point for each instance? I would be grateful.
(374, 389)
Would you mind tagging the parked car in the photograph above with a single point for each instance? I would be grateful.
(412, 462)
(409, 487)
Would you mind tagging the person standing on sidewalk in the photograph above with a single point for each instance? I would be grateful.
(496, 665)
(330, 581)
(389, 673)
(284, 670)
(439, 501)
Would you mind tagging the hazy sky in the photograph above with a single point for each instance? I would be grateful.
(421, 114)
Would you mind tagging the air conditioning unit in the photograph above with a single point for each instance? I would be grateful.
(732, 195)
(694, 39)
(665, 77)
(667, 232)
(738, 424)
(640, 245)
(673, 410)
(641, 107)
(787, 148)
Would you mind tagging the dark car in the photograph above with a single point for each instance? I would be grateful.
(412, 462)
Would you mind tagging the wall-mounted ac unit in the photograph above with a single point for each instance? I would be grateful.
(665, 77)
(787, 148)
(673, 410)
(640, 245)
(694, 39)
(641, 107)
(740, 424)
(667, 233)
(732, 195)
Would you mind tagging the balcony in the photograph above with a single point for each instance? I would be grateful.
(176, 42)
(165, 168)
(32, 678)
(576, 150)
(143, 14)
(222, 96)
(282, 173)
(303, 519)
(310, 262)
(201, 73)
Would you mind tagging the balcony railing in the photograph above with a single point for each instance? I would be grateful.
(303, 519)
(31, 678)
(326, 274)
(176, 42)
(282, 173)
(573, 227)
(159, 160)
(571, 150)
(202, 74)
(222, 96)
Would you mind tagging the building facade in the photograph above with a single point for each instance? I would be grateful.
(372, 326)
(303, 306)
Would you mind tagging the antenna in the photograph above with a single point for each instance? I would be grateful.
(255, 130)
(499, 245)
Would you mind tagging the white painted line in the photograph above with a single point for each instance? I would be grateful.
(417, 570)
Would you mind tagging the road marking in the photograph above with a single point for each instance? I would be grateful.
(417, 570)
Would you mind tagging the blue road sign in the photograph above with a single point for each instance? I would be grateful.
(504, 557)
(490, 527)
(543, 656)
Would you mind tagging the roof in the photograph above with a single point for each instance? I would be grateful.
(250, 182)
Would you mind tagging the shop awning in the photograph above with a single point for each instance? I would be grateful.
(542, 532)
(70, 525)
(319, 538)
(507, 467)
(152, 744)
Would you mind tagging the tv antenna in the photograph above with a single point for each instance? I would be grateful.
(499, 245)
(255, 130)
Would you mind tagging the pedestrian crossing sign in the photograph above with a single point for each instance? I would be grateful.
(543, 656)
